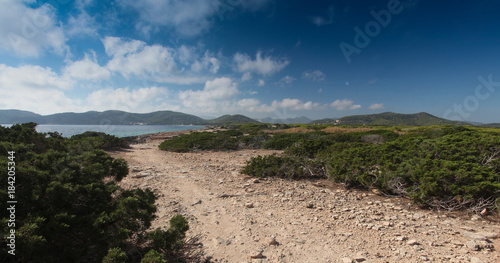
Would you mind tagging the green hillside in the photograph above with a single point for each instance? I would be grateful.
(117, 118)
(18, 116)
(398, 119)
(238, 118)
(491, 125)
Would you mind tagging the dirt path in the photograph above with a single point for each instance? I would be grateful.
(275, 220)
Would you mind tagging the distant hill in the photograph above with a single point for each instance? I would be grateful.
(491, 125)
(297, 120)
(397, 119)
(18, 116)
(232, 119)
(116, 118)
(121, 118)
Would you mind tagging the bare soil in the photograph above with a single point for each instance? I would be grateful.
(244, 219)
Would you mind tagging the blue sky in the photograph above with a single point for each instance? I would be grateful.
(261, 58)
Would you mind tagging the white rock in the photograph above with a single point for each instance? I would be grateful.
(472, 245)
(474, 236)
(490, 235)
(475, 217)
(412, 242)
(484, 212)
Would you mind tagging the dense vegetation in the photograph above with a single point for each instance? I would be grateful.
(450, 167)
(69, 207)
(202, 141)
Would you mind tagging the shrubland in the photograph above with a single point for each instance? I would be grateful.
(70, 207)
(442, 167)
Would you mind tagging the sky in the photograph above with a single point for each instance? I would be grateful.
(260, 58)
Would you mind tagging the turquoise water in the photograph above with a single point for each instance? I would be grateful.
(117, 130)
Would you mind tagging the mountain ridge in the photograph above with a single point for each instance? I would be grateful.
(114, 117)
(398, 119)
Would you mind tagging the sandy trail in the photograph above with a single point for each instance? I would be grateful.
(279, 220)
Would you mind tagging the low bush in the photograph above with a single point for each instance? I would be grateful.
(100, 140)
(283, 166)
(72, 207)
(199, 141)
(254, 141)
(440, 167)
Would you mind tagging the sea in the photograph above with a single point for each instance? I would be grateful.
(116, 130)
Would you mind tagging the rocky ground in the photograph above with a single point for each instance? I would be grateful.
(243, 219)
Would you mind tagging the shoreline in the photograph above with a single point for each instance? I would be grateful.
(161, 136)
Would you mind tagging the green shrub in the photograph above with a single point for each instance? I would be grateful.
(446, 167)
(92, 140)
(169, 241)
(115, 255)
(153, 257)
(200, 141)
(73, 210)
(283, 140)
(283, 166)
(254, 141)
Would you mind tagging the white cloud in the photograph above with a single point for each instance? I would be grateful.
(134, 57)
(320, 21)
(159, 63)
(315, 75)
(186, 54)
(212, 98)
(82, 25)
(30, 32)
(186, 17)
(376, 106)
(261, 83)
(287, 80)
(44, 92)
(284, 104)
(263, 66)
(250, 105)
(141, 100)
(208, 61)
(294, 104)
(344, 104)
(247, 76)
(35, 89)
(86, 69)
